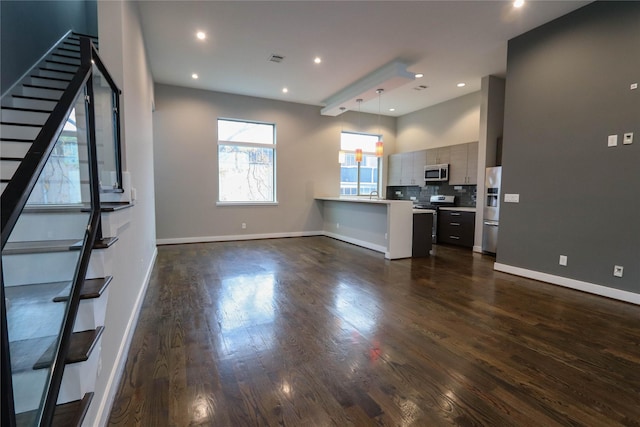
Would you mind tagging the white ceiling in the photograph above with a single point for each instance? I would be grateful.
(448, 41)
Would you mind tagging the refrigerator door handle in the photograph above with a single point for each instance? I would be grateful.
(491, 223)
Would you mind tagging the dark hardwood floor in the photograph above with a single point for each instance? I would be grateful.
(316, 332)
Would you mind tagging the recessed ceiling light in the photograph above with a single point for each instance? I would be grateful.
(461, 84)
(194, 76)
(285, 90)
(201, 35)
(317, 60)
(518, 3)
(419, 75)
(392, 109)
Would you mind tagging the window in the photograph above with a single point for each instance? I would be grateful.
(359, 179)
(246, 161)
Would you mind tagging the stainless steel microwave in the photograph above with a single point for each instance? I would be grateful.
(434, 173)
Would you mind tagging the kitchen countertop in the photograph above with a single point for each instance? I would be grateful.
(458, 208)
(424, 211)
(364, 199)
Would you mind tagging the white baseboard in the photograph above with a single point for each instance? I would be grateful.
(357, 242)
(229, 238)
(104, 410)
(592, 288)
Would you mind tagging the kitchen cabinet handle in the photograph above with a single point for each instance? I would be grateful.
(455, 214)
(454, 237)
(454, 223)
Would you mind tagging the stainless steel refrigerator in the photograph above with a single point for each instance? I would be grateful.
(491, 209)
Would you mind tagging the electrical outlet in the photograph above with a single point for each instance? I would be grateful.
(512, 198)
(337, 225)
(563, 260)
(627, 138)
(633, 86)
(618, 270)
(244, 225)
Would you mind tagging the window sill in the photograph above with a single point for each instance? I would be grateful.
(246, 203)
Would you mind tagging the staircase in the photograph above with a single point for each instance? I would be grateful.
(59, 151)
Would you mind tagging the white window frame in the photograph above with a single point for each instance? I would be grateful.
(272, 146)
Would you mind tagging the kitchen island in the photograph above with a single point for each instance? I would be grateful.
(381, 225)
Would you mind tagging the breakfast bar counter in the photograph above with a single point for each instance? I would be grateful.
(382, 225)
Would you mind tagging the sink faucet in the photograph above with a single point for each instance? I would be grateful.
(374, 193)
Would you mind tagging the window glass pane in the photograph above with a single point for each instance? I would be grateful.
(245, 174)
(239, 131)
(351, 141)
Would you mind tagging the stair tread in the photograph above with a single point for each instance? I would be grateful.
(58, 79)
(46, 246)
(56, 71)
(35, 98)
(16, 140)
(91, 288)
(38, 246)
(80, 348)
(29, 110)
(104, 207)
(70, 414)
(43, 87)
(103, 243)
(31, 125)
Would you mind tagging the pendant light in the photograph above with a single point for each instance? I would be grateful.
(341, 154)
(359, 150)
(379, 144)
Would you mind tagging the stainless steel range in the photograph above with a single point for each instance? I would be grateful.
(436, 202)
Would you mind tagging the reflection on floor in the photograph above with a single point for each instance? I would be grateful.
(313, 331)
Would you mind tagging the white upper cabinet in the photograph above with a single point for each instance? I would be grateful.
(463, 164)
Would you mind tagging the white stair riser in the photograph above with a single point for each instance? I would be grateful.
(80, 378)
(50, 226)
(27, 389)
(39, 92)
(45, 72)
(25, 269)
(32, 103)
(91, 312)
(101, 263)
(48, 82)
(14, 149)
(18, 116)
(19, 132)
(63, 67)
(8, 168)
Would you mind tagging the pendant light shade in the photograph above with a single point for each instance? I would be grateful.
(358, 155)
(341, 157)
(379, 149)
(379, 144)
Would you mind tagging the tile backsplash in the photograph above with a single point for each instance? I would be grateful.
(465, 194)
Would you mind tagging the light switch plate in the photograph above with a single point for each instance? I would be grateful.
(612, 140)
(627, 138)
(512, 198)
(563, 260)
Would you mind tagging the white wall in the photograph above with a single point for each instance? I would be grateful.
(122, 50)
(185, 148)
(452, 122)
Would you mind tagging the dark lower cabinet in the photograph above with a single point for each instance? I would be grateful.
(456, 227)
(422, 228)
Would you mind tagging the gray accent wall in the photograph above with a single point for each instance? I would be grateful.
(568, 88)
(185, 163)
(31, 28)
